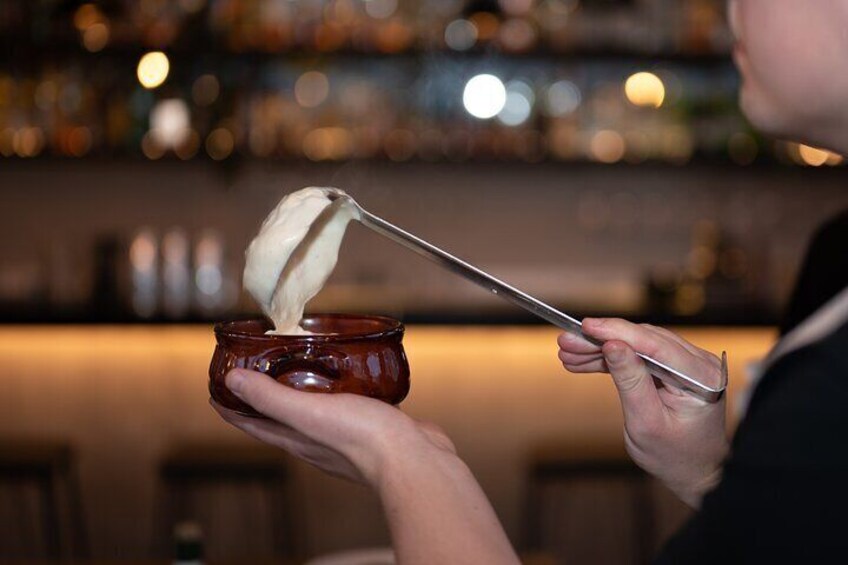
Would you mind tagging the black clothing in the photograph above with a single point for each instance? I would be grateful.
(783, 497)
(823, 274)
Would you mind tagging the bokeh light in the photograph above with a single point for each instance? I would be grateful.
(205, 90)
(380, 9)
(460, 35)
(645, 89)
(86, 16)
(79, 141)
(607, 146)
(189, 147)
(487, 25)
(170, 122)
(678, 144)
(311, 89)
(518, 105)
(28, 141)
(328, 144)
(220, 144)
(151, 149)
(46, 95)
(562, 98)
(516, 7)
(95, 37)
(400, 145)
(742, 148)
(517, 35)
(153, 69)
(815, 157)
(484, 96)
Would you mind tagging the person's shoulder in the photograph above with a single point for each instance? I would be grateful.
(823, 274)
(798, 413)
(836, 225)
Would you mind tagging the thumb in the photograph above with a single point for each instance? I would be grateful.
(639, 396)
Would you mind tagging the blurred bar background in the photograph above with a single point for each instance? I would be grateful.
(589, 152)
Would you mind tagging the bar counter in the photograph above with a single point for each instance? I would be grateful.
(125, 395)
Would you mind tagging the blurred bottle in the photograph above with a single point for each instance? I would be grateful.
(215, 290)
(107, 300)
(188, 544)
(714, 279)
(176, 274)
(702, 26)
(144, 269)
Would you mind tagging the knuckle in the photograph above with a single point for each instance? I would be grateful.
(616, 324)
(627, 384)
(656, 348)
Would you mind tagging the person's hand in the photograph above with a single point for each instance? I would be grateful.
(346, 435)
(436, 511)
(671, 434)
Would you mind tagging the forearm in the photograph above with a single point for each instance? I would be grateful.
(437, 513)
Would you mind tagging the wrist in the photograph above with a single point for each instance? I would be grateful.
(401, 464)
(693, 491)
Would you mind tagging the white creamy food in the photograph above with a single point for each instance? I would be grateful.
(296, 249)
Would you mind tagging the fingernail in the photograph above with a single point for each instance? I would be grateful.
(235, 380)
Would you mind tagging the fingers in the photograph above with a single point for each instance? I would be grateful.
(272, 399)
(579, 356)
(599, 366)
(576, 344)
(268, 431)
(638, 337)
(653, 342)
(668, 334)
(640, 400)
(292, 441)
(577, 363)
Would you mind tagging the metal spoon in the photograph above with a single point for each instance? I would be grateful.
(663, 372)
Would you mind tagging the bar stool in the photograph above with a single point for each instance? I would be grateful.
(194, 481)
(50, 467)
(589, 505)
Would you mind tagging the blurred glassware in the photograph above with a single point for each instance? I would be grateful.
(285, 77)
(144, 265)
(176, 274)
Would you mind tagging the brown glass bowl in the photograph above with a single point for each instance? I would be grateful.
(357, 354)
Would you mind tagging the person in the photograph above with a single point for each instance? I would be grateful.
(776, 493)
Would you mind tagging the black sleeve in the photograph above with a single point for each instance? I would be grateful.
(783, 497)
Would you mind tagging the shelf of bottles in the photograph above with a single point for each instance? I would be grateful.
(603, 81)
